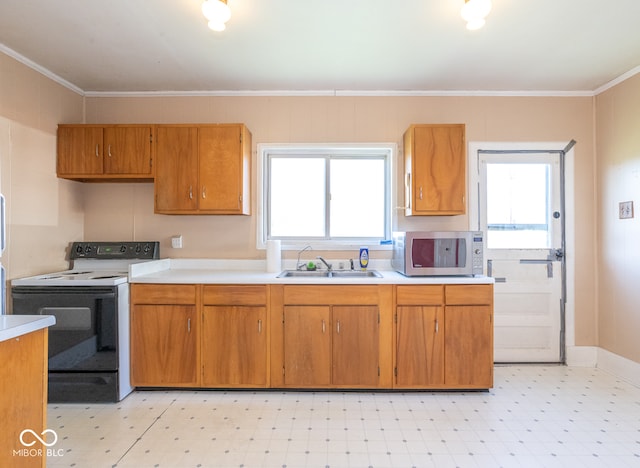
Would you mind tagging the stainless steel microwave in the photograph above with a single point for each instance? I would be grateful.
(438, 253)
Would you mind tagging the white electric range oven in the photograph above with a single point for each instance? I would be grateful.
(89, 344)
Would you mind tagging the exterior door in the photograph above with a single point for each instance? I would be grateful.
(521, 214)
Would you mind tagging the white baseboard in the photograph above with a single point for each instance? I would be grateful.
(582, 356)
(621, 367)
(593, 356)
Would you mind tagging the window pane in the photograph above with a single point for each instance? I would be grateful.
(357, 198)
(297, 198)
(518, 206)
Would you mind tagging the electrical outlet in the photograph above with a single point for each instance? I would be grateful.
(625, 210)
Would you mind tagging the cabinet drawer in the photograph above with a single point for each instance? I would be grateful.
(235, 295)
(473, 294)
(163, 294)
(420, 295)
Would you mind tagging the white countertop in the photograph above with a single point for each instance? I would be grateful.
(13, 326)
(204, 271)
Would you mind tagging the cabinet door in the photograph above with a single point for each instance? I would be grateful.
(23, 398)
(127, 151)
(164, 345)
(307, 346)
(79, 151)
(234, 346)
(176, 180)
(439, 170)
(221, 168)
(469, 346)
(419, 346)
(355, 350)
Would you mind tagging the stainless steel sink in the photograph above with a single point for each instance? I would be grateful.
(355, 274)
(329, 274)
(304, 274)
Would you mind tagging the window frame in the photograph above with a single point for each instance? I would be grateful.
(385, 151)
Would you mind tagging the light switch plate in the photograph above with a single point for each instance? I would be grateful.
(176, 242)
(625, 210)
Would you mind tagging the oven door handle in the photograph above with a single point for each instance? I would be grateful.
(29, 291)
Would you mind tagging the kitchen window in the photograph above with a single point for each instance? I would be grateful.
(337, 195)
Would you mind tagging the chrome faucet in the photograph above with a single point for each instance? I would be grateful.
(298, 266)
(328, 265)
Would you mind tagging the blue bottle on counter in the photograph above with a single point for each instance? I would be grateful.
(364, 258)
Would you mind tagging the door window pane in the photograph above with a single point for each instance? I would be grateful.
(518, 206)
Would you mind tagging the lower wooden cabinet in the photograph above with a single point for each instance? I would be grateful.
(164, 349)
(23, 399)
(356, 346)
(331, 346)
(234, 336)
(331, 336)
(312, 336)
(307, 346)
(164, 336)
(419, 346)
(468, 347)
(469, 335)
(444, 336)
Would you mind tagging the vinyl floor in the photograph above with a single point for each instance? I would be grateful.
(535, 416)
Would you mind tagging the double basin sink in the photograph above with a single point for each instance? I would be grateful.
(329, 274)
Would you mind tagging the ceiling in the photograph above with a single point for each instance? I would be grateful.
(325, 46)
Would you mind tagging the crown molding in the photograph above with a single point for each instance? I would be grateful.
(42, 70)
(306, 93)
(617, 81)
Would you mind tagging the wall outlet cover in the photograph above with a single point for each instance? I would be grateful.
(625, 210)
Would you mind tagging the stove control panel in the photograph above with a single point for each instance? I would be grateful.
(116, 250)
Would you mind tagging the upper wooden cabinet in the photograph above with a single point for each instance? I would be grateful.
(435, 170)
(105, 152)
(203, 169)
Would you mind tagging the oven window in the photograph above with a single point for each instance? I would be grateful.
(439, 253)
(69, 318)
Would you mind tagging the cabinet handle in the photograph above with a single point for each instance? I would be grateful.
(189, 325)
(109, 150)
(338, 327)
(204, 192)
(259, 326)
(420, 193)
(323, 327)
(437, 326)
(190, 192)
(97, 150)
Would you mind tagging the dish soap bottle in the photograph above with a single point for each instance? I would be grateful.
(364, 258)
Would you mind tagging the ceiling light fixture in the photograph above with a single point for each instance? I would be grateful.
(474, 12)
(217, 12)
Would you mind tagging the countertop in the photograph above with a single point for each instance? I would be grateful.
(210, 271)
(13, 326)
